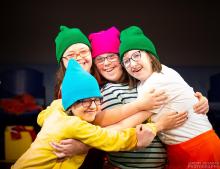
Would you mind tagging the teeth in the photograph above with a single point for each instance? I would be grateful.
(109, 70)
(136, 70)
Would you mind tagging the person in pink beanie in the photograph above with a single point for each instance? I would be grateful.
(105, 42)
(118, 89)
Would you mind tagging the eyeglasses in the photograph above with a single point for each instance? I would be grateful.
(135, 57)
(73, 55)
(111, 58)
(88, 102)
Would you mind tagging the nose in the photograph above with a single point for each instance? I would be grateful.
(132, 63)
(93, 105)
(106, 62)
(77, 56)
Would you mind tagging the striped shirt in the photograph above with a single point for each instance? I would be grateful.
(151, 157)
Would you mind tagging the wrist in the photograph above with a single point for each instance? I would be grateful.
(153, 127)
(137, 105)
(159, 126)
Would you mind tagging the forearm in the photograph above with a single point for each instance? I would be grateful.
(131, 121)
(116, 114)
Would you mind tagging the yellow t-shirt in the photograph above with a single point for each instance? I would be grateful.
(56, 126)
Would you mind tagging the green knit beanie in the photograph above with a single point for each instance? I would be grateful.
(133, 38)
(66, 38)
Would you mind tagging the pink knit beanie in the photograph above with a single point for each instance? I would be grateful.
(106, 41)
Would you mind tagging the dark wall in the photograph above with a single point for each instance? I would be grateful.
(184, 32)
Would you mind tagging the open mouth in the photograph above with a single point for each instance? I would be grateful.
(110, 69)
(136, 69)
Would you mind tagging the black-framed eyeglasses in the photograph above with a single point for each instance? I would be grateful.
(88, 102)
(136, 56)
(111, 58)
(75, 55)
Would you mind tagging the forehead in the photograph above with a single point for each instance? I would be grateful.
(105, 55)
(129, 53)
(77, 47)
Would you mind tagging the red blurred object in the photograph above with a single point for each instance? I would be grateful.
(19, 104)
(15, 132)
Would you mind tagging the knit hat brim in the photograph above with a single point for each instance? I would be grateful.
(133, 38)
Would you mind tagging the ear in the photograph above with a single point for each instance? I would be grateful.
(70, 111)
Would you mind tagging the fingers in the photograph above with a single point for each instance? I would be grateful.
(159, 92)
(56, 146)
(161, 98)
(198, 95)
(180, 118)
(202, 106)
(181, 115)
(59, 155)
(152, 90)
(202, 110)
(67, 141)
(180, 122)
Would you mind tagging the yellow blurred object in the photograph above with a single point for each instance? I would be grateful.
(17, 140)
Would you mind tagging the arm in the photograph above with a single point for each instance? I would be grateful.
(166, 121)
(100, 138)
(69, 147)
(202, 107)
(150, 100)
(55, 105)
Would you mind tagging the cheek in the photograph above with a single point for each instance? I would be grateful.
(65, 62)
(128, 70)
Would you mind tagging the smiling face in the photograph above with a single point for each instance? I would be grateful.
(81, 53)
(86, 109)
(138, 64)
(109, 66)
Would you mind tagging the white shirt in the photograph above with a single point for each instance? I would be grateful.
(180, 98)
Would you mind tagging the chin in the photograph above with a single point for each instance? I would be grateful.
(91, 119)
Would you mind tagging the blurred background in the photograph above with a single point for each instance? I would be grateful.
(186, 35)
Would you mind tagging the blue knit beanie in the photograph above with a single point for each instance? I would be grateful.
(78, 84)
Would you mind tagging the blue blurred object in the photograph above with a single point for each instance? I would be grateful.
(214, 92)
(20, 81)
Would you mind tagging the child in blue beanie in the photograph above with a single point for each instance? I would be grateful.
(81, 100)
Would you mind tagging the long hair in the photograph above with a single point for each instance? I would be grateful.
(59, 79)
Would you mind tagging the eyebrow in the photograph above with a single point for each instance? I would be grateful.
(70, 52)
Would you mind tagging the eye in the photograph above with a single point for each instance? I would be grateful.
(99, 59)
(83, 52)
(126, 61)
(136, 55)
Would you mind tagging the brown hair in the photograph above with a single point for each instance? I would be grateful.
(156, 65)
(58, 80)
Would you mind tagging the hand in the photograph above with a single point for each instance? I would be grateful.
(144, 135)
(202, 107)
(152, 99)
(68, 148)
(170, 120)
